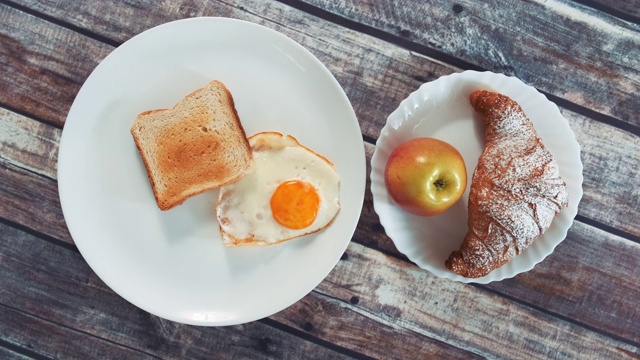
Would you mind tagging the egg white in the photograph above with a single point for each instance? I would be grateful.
(243, 209)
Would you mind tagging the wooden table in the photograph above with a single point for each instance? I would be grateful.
(581, 302)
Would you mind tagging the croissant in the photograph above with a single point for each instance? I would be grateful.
(516, 189)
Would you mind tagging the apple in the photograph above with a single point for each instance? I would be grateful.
(425, 176)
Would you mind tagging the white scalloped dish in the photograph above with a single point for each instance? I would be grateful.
(441, 109)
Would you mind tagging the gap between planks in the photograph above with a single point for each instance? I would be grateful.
(367, 30)
(593, 223)
(334, 347)
(22, 351)
(515, 300)
(30, 116)
(266, 321)
(60, 23)
(609, 10)
(73, 248)
(40, 235)
(366, 139)
(448, 59)
(607, 228)
(308, 337)
(79, 331)
(558, 316)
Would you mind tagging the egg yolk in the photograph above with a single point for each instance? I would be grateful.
(295, 204)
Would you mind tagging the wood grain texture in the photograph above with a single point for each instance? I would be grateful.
(335, 333)
(43, 214)
(110, 20)
(462, 315)
(29, 144)
(375, 75)
(565, 306)
(43, 65)
(43, 337)
(627, 9)
(336, 321)
(31, 201)
(65, 297)
(556, 46)
(591, 278)
(382, 75)
(51, 287)
(601, 264)
(598, 276)
(373, 90)
(73, 296)
(9, 354)
(348, 56)
(611, 159)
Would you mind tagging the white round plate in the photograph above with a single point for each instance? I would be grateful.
(173, 264)
(441, 109)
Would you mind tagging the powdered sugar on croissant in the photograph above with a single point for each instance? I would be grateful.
(516, 189)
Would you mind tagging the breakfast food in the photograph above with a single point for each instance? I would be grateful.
(516, 189)
(425, 176)
(197, 146)
(291, 192)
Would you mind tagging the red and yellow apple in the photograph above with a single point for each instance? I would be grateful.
(425, 176)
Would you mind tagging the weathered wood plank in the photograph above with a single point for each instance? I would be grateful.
(373, 90)
(50, 283)
(369, 284)
(31, 201)
(563, 48)
(592, 278)
(606, 299)
(623, 8)
(611, 196)
(603, 141)
(594, 293)
(43, 65)
(374, 94)
(28, 164)
(463, 315)
(9, 354)
(29, 144)
(373, 114)
(43, 338)
(600, 264)
(332, 320)
(413, 342)
(611, 185)
(566, 42)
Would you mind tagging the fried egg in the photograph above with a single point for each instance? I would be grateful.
(291, 192)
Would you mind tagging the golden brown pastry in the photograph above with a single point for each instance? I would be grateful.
(516, 189)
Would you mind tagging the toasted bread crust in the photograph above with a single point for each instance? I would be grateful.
(197, 146)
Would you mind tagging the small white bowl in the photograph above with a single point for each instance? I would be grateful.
(441, 109)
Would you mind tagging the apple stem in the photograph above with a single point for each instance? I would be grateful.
(439, 184)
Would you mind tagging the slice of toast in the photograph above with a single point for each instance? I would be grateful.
(197, 146)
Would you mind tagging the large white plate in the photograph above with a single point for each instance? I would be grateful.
(173, 264)
(441, 109)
